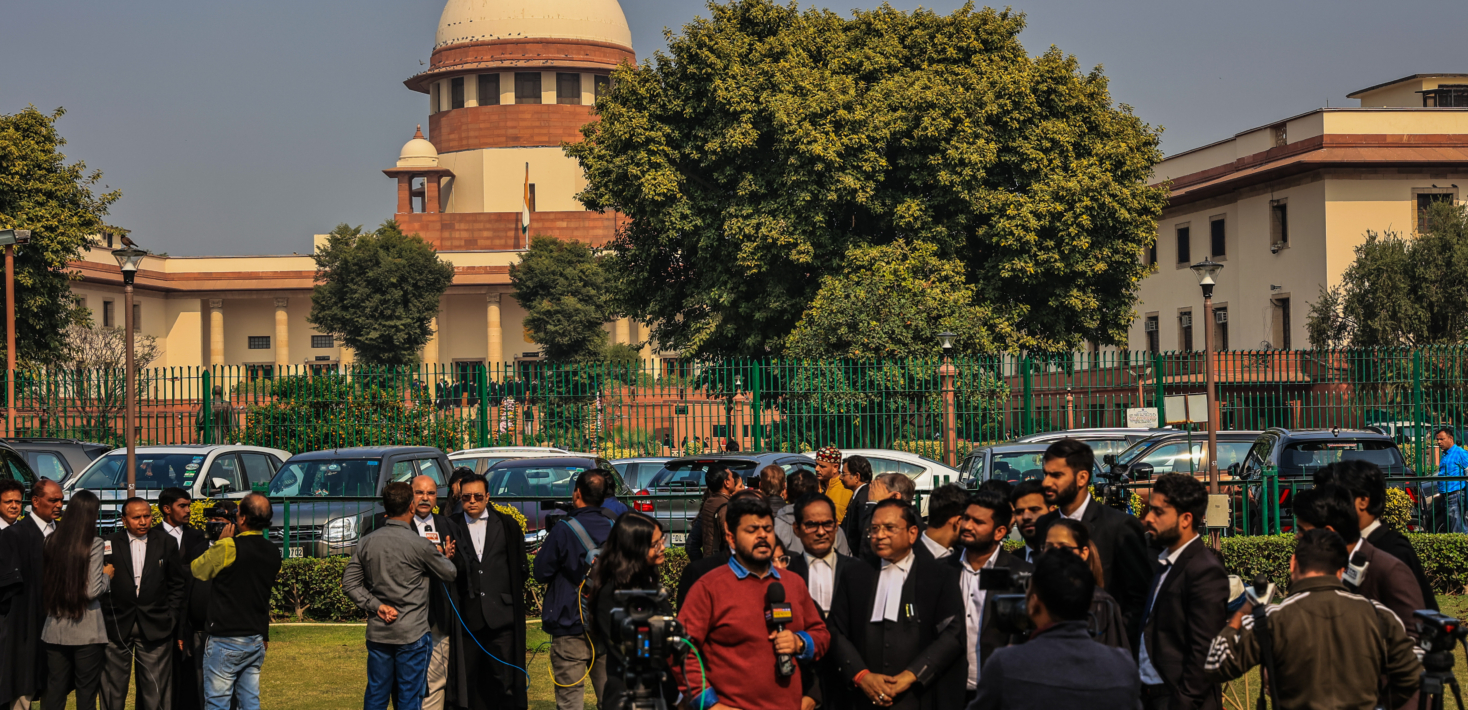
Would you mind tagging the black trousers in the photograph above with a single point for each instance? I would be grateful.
(151, 662)
(188, 672)
(491, 683)
(76, 668)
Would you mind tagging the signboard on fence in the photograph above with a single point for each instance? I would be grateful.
(1141, 418)
(1184, 409)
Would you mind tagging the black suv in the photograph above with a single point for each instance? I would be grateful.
(345, 491)
(1298, 454)
(57, 459)
(14, 467)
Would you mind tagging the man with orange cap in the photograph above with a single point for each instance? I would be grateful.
(828, 470)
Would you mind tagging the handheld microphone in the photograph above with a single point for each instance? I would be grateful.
(778, 613)
(1355, 571)
(1261, 592)
(106, 552)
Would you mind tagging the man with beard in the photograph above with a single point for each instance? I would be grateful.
(982, 528)
(1118, 536)
(1028, 501)
(828, 471)
(22, 674)
(1188, 605)
(724, 616)
(856, 473)
(902, 644)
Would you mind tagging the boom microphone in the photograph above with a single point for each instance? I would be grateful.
(778, 613)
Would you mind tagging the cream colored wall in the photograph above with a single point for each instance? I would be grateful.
(496, 177)
(1195, 161)
(1399, 94)
(464, 192)
(184, 326)
(1431, 121)
(244, 317)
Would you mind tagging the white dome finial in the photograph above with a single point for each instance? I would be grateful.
(418, 152)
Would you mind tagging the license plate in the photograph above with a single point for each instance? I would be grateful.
(679, 538)
(296, 552)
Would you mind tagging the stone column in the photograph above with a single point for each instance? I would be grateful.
(622, 331)
(405, 194)
(649, 358)
(496, 355)
(430, 193)
(216, 332)
(282, 335)
(430, 349)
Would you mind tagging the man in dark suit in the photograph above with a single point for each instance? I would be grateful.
(434, 527)
(826, 571)
(1119, 538)
(901, 643)
(1367, 485)
(856, 475)
(23, 672)
(492, 568)
(982, 527)
(175, 508)
(1060, 666)
(1189, 601)
(140, 611)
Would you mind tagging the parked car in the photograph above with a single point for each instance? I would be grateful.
(549, 478)
(685, 476)
(926, 474)
(482, 458)
(1008, 462)
(14, 467)
(57, 459)
(1177, 452)
(1298, 454)
(205, 471)
(344, 488)
(1102, 440)
(638, 472)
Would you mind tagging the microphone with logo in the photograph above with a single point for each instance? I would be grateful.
(777, 613)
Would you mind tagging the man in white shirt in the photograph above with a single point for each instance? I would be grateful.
(11, 492)
(945, 507)
(140, 611)
(490, 585)
(825, 570)
(22, 675)
(982, 528)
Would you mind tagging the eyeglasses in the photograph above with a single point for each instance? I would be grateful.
(814, 525)
(889, 529)
(783, 560)
(474, 497)
(1060, 546)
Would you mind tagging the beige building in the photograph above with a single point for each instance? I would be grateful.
(1283, 207)
(506, 84)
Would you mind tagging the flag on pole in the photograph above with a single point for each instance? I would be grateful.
(525, 211)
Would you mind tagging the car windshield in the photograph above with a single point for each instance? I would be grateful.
(1020, 466)
(690, 474)
(1303, 458)
(327, 478)
(1102, 447)
(532, 480)
(154, 471)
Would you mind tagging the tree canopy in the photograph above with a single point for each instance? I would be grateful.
(54, 199)
(770, 141)
(1401, 290)
(377, 292)
(563, 289)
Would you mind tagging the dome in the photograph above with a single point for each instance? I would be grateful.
(482, 20)
(418, 153)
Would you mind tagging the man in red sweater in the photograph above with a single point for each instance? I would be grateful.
(724, 616)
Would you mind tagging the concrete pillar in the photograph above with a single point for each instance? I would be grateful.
(496, 355)
(216, 332)
(282, 335)
(649, 358)
(471, 90)
(548, 87)
(507, 88)
(430, 193)
(405, 194)
(430, 349)
(622, 331)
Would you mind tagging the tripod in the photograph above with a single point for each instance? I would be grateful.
(1438, 673)
(643, 693)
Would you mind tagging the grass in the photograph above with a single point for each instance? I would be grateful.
(325, 668)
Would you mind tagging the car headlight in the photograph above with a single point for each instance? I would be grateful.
(340, 530)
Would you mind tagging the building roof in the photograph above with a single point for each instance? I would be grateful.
(465, 21)
(1410, 77)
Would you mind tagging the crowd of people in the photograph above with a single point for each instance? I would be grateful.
(165, 612)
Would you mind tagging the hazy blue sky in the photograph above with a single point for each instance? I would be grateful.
(246, 127)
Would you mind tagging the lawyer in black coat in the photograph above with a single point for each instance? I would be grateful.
(23, 670)
(926, 641)
(990, 637)
(142, 618)
(191, 622)
(858, 579)
(491, 603)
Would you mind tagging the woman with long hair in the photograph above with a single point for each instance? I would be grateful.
(1106, 624)
(75, 576)
(630, 559)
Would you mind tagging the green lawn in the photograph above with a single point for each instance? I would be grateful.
(325, 668)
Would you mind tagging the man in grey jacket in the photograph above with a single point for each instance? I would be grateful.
(389, 578)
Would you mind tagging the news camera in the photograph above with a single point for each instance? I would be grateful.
(1010, 612)
(1111, 483)
(646, 639)
(213, 527)
(1439, 634)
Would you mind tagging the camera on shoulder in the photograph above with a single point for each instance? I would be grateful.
(213, 527)
(1010, 612)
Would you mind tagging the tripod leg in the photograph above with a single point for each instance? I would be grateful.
(1452, 682)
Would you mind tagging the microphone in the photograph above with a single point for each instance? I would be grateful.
(777, 614)
(107, 552)
(1355, 571)
(1261, 592)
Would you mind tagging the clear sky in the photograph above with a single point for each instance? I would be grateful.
(246, 127)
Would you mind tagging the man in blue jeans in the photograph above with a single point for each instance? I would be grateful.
(243, 566)
(1454, 462)
(389, 577)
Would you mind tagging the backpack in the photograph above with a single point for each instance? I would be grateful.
(593, 550)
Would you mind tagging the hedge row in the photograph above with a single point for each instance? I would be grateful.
(311, 590)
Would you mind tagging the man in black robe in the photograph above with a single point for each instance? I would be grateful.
(23, 670)
(490, 612)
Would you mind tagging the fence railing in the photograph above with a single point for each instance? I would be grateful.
(677, 406)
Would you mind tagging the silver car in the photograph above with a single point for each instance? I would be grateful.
(205, 471)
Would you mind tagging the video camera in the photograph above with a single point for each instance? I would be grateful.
(1010, 613)
(1111, 483)
(1438, 631)
(214, 528)
(1438, 635)
(646, 639)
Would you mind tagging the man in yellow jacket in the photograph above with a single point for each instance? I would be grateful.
(828, 470)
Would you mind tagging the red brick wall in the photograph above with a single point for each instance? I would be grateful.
(473, 231)
(524, 51)
(511, 126)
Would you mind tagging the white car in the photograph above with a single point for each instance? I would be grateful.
(205, 471)
(926, 474)
(481, 459)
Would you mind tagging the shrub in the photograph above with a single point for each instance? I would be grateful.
(1444, 558)
(1398, 510)
(311, 589)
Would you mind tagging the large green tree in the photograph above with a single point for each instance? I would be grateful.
(563, 289)
(54, 199)
(892, 301)
(377, 292)
(1401, 290)
(769, 141)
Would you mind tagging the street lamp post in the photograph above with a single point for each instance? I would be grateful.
(1207, 270)
(946, 373)
(10, 238)
(129, 258)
